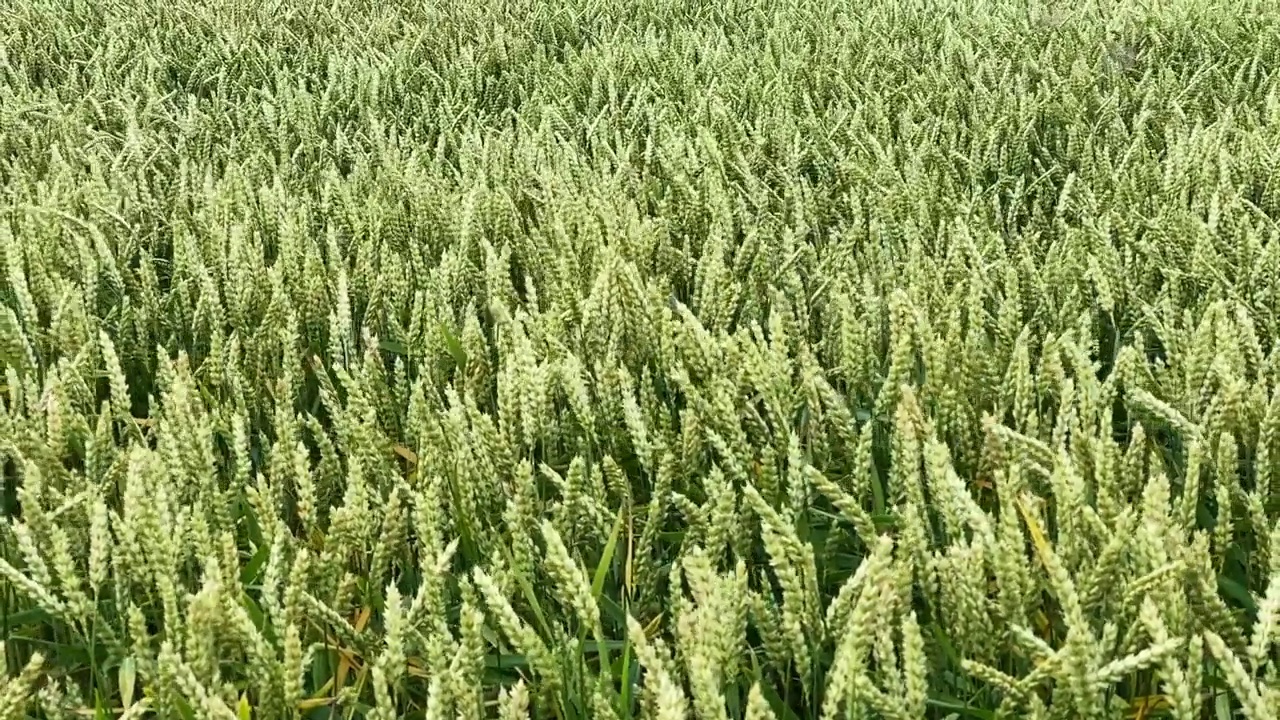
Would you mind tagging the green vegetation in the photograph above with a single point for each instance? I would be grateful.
(667, 359)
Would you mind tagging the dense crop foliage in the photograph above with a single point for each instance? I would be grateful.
(672, 358)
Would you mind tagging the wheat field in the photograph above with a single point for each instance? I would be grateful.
(707, 359)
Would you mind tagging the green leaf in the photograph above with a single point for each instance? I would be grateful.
(944, 644)
(454, 346)
(628, 682)
(30, 616)
(877, 491)
(128, 675)
(606, 558)
(255, 612)
(613, 610)
(1236, 590)
(249, 574)
(526, 589)
(394, 347)
(593, 647)
(1222, 706)
(780, 709)
(66, 653)
(733, 700)
(321, 670)
(184, 709)
(99, 706)
(505, 661)
(950, 704)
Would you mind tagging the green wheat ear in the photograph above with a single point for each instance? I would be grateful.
(714, 359)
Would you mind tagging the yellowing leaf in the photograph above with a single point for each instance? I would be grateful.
(410, 456)
(1141, 707)
(1038, 537)
(362, 619)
